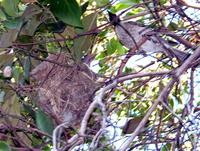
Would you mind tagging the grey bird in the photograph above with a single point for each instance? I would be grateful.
(131, 34)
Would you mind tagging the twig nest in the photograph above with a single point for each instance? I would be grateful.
(65, 91)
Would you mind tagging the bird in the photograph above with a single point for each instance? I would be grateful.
(134, 35)
(132, 124)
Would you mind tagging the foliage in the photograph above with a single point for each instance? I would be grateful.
(33, 30)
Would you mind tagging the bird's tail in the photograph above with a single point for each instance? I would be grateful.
(180, 55)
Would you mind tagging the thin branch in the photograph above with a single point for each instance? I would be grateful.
(56, 133)
(162, 95)
(99, 97)
(188, 4)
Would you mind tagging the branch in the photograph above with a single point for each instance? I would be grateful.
(179, 39)
(56, 132)
(131, 52)
(99, 97)
(163, 95)
(97, 101)
(189, 4)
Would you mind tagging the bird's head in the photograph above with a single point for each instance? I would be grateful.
(114, 19)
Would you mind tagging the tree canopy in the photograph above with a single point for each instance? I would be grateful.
(70, 79)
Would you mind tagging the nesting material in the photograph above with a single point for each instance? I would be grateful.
(65, 90)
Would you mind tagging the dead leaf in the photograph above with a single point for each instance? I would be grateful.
(11, 106)
(6, 59)
(8, 38)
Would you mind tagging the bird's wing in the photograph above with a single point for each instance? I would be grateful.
(128, 34)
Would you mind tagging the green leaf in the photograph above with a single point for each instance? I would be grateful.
(2, 15)
(166, 147)
(100, 56)
(171, 102)
(47, 148)
(36, 141)
(84, 43)
(14, 23)
(17, 73)
(136, 1)
(123, 4)
(2, 94)
(162, 2)
(111, 46)
(11, 7)
(128, 70)
(120, 49)
(27, 68)
(68, 11)
(44, 122)
(28, 110)
(172, 26)
(101, 2)
(119, 7)
(24, 39)
(135, 11)
(115, 46)
(130, 1)
(4, 146)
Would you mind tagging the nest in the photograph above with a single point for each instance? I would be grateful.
(65, 89)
